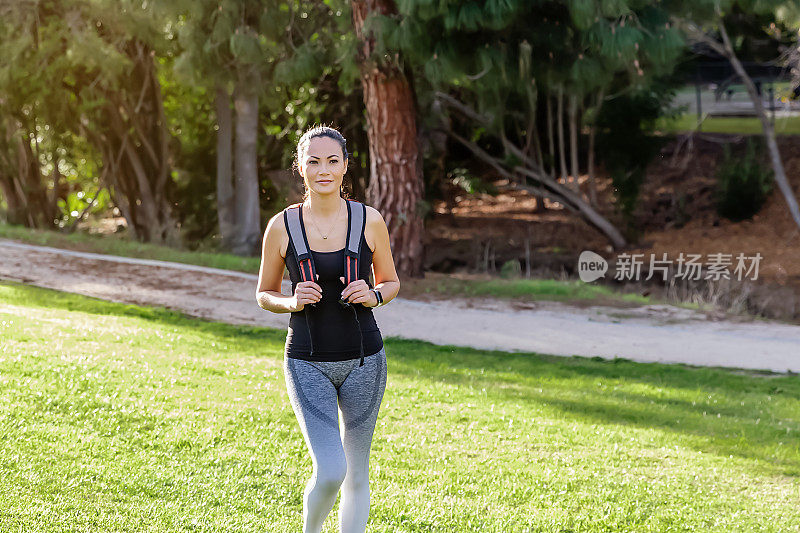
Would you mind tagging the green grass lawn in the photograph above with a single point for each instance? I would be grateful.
(536, 289)
(736, 125)
(121, 418)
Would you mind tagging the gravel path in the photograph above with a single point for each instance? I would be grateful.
(652, 333)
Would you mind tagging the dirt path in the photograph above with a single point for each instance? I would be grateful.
(647, 334)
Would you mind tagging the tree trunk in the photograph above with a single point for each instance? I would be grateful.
(133, 137)
(225, 195)
(545, 184)
(590, 155)
(52, 199)
(395, 187)
(17, 212)
(23, 185)
(590, 169)
(562, 152)
(537, 144)
(532, 143)
(769, 131)
(551, 137)
(248, 225)
(110, 178)
(549, 187)
(14, 213)
(573, 141)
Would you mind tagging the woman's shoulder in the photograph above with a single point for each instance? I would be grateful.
(374, 227)
(276, 223)
(276, 232)
(373, 215)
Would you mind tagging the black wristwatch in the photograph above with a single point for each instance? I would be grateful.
(378, 296)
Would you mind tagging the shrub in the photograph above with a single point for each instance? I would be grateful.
(625, 140)
(743, 182)
(511, 269)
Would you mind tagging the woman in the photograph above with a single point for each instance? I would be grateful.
(323, 359)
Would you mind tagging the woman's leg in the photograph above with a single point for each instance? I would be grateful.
(359, 399)
(313, 398)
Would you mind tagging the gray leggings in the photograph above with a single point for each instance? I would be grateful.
(338, 460)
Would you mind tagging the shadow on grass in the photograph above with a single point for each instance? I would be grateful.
(569, 385)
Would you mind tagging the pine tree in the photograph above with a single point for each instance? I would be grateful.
(492, 65)
(395, 186)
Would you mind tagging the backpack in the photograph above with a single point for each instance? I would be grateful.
(357, 217)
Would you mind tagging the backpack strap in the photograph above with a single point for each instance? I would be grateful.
(293, 218)
(357, 215)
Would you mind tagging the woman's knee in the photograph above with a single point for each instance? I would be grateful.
(357, 481)
(329, 476)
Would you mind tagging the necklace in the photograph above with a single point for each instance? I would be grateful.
(334, 220)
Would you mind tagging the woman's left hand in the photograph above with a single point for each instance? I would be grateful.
(358, 292)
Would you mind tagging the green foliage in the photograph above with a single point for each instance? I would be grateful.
(62, 60)
(582, 13)
(460, 39)
(189, 111)
(511, 269)
(506, 59)
(76, 202)
(307, 63)
(244, 46)
(625, 144)
(743, 182)
(304, 52)
(286, 43)
(461, 177)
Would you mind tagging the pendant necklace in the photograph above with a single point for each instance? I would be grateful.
(332, 226)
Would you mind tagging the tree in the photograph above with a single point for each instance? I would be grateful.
(30, 176)
(702, 21)
(395, 186)
(92, 72)
(491, 67)
(222, 47)
(248, 53)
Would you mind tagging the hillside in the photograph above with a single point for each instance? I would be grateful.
(675, 214)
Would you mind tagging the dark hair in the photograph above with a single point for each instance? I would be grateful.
(305, 140)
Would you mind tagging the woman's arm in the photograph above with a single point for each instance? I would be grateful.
(383, 269)
(270, 274)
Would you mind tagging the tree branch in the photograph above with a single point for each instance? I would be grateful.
(696, 34)
(463, 108)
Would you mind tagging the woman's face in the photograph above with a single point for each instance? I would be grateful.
(323, 166)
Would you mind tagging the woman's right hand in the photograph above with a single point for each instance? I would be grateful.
(306, 292)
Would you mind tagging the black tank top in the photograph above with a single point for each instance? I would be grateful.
(333, 327)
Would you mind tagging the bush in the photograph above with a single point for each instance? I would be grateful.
(511, 269)
(743, 182)
(625, 140)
